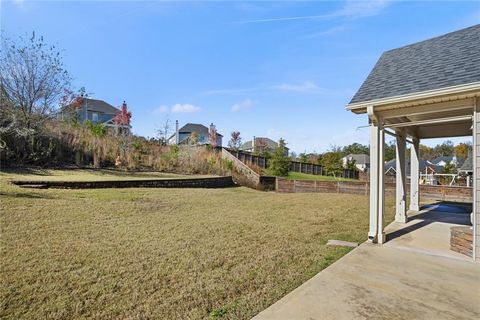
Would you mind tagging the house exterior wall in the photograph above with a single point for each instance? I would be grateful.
(102, 117)
(185, 135)
(202, 138)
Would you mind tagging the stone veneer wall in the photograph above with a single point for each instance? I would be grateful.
(461, 240)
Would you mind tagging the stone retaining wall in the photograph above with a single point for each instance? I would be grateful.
(245, 176)
(210, 182)
(461, 240)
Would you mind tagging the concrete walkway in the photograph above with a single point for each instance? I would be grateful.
(414, 276)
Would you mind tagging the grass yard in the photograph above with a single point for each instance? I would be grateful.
(305, 176)
(83, 175)
(165, 253)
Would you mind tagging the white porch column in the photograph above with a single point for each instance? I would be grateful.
(400, 199)
(374, 186)
(381, 184)
(377, 203)
(414, 175)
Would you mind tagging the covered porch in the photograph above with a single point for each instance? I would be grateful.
(409, 119)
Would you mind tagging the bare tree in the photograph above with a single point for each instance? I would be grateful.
(33, 77)
(164, 131)
(235, 140)
(212, 137)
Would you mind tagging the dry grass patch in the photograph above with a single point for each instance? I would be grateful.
(165, 253)
(36, 174)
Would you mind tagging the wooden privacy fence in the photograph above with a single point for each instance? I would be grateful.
(249, 158)
(295, 166)
(444, 193)
(309, 168)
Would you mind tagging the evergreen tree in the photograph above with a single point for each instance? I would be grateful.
(279, 163)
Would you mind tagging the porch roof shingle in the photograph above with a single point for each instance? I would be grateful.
(444, 61)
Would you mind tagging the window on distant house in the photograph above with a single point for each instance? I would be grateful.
(94, 117)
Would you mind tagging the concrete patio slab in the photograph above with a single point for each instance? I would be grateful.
(428, 231)
(413, 276)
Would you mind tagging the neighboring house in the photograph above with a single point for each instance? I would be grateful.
(260, 145)
(183, 135)
(467, 165)
(444, 160)
(425, 167)
(97, 111)
(362, 161)
(467, 169)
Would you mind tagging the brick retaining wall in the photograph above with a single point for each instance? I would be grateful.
(445, 193)
(210, 182)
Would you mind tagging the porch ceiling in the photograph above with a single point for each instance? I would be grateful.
(430, 120)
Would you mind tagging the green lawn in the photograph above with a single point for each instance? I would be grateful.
(304, 176)
(83, 175)
(165, 253)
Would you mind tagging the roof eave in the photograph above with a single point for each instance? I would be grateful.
(361, 107)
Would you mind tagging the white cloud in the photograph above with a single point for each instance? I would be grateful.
(161, 110)
(244, 105)
(301, 87)
(177, 108)
(185, 108)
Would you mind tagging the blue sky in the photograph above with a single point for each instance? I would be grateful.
(277, 69)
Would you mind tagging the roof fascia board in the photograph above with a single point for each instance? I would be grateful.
(360, 107)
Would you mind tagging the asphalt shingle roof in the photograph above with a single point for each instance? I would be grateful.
(444, 61)
(359, 158)
(101, 106)
(195, 127)
(267, 142)
(392, 164)
(468, 164)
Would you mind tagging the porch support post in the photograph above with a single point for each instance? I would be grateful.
(414, 175)
(401, 203)
(381, 183)
(377, 136)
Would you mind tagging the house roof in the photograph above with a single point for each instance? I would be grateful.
(359, 158)
(392, 164)
(195, 127)
(448, 60)
(100, 106)
(467, 164)
(446, 159)
(269, 143)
